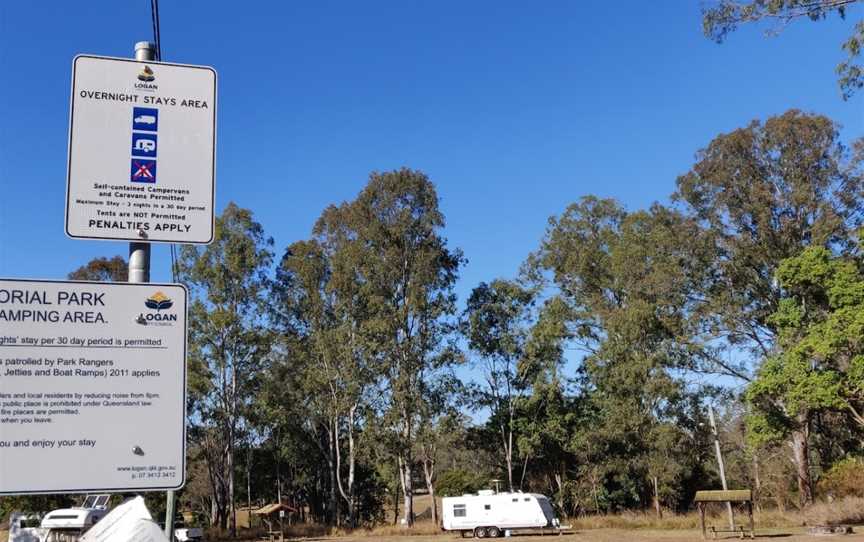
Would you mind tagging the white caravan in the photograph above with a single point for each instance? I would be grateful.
(489, 514)
(67, 524)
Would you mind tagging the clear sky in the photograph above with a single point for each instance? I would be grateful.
(514, 109)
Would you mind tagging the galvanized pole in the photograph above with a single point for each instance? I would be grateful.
(139, 253)
(720, 463)
(139, 271)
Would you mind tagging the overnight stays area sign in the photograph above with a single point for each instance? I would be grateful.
(92, 386)
(142, 141)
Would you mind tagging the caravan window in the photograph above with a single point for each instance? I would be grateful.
(487, 506)
(102, 501)
(458, 510)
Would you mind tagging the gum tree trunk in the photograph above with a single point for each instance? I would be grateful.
(801, 449)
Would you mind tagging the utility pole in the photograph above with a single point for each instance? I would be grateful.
(720, 463)
(139, 271)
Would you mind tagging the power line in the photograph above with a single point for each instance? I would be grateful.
(157, 42)
(154, 13)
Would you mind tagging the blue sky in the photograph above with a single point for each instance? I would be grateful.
(513, 109)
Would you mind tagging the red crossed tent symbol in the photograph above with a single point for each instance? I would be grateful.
(143, 171)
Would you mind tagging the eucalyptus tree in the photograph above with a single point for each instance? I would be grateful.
(497, 326)
(721, 17)
(623, 283)
(281, 415)
(621, 286)
(368, 300)
(322, 305)
(102, 269)
(229, 342)
(354, 371)
(820, 363)
(762, 194)
(443, 428)
(407, 274)
(304, 311)
(546, 420)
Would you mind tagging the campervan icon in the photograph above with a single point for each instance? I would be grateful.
(145, 119)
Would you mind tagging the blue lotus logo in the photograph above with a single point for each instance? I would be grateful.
(159, 301)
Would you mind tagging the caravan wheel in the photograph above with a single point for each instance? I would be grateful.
(493, 532)
(480, 532)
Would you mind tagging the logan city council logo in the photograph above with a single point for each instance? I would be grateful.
(146, 75)
(146, 78)
(158, 302)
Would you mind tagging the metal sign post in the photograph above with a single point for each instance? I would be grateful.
(139, 253)
(139, 271)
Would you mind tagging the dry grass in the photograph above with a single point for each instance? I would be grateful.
(311, 531)
(716, 516)
(600, 535)
(302, 531)
(630, 527)
(595, 535)
(846, 511)
(633, 526)
(421, 528)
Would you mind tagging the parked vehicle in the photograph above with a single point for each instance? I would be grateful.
(67, 524)
(183, 533)
(490, 514)
(188, 534)
(26, 528)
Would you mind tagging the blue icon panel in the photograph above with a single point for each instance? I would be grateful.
(143, 171)
(144, 145)
(145, 118)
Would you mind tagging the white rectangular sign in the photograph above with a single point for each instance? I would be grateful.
(142, 139)
(92, 386)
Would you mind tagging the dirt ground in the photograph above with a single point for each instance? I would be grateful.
(612, 535)
(598, 535)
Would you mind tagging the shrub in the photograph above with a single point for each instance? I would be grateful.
(849, 510)
(844, 479)
(458, 482)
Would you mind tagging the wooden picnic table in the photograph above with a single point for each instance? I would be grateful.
(273, 536)
(729, 496)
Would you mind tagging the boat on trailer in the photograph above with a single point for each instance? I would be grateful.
(68, 524)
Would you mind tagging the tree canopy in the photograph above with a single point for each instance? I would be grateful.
(343, 379)
(102, 269)
(721, 17)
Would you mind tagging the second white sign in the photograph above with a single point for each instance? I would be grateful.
(92, 386)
